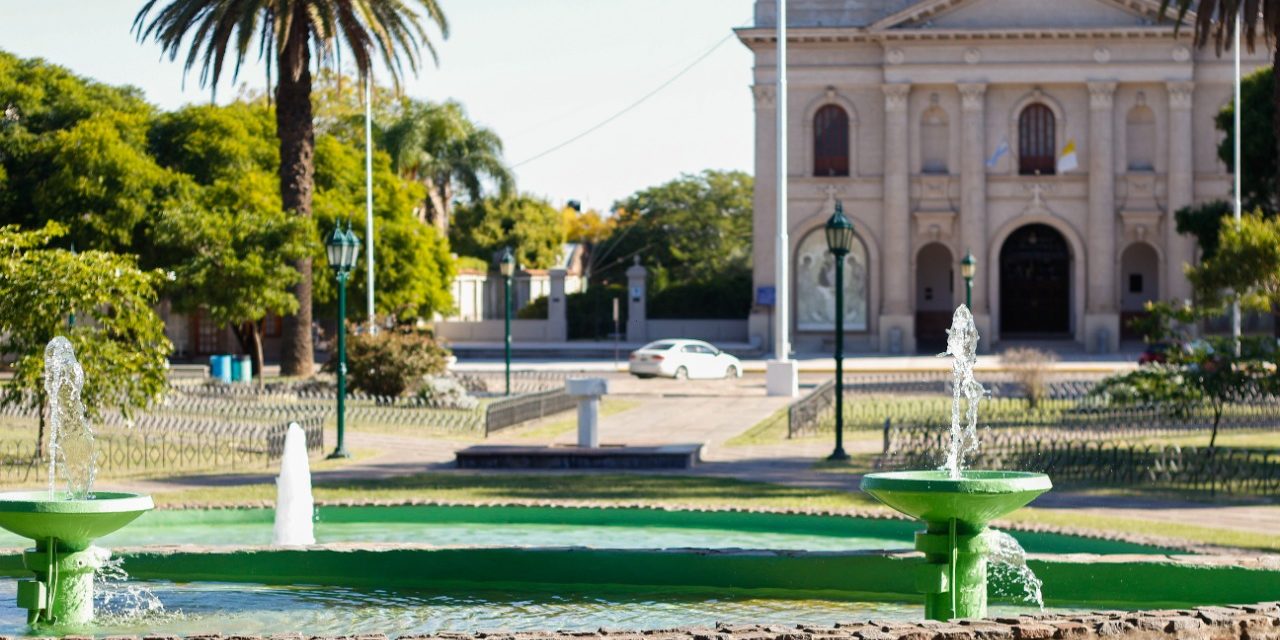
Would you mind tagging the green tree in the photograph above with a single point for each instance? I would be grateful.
(286, 31)
(1258, 148)
(1247, 261)
(117, 335)
(696, 228)
(437, 145)
(413, 267)
(530, 226)
(238, 265)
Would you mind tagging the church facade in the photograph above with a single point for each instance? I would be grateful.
(1051, 139)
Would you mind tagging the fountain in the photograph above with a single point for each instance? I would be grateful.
(295, 507)
(64, 524)
(954, 503)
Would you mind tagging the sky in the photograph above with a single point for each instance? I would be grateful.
(538, 72)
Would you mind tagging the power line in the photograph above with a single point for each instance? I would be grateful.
(629, 107)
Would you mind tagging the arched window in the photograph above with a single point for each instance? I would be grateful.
(1036, 141)
(935, 139)
(1140, 138)
(831, 142)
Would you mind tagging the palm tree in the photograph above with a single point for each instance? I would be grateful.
(285, 32)
(437, 145)
(1215, 20)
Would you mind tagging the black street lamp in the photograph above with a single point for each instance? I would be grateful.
(968, 265)
(343, 251)
(507, 265)
(840, 239)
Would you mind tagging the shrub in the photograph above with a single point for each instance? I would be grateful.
(391, 362)
(1030, 368)
(535, 310)
(444, 392)
(724, 298)
(591, 312)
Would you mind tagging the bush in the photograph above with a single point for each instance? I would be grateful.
(535, 310)
(725, 298)
(591, 312)
(1030, 368)
(391, 362)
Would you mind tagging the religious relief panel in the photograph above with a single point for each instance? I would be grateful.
(816, 286)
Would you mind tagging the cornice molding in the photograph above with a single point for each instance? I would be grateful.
(824, 35)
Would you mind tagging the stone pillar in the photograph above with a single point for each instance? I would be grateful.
(636, 277)
(897, 323)
(588, 392)
(973, 202)
(1102, 316)
(1179, 249)
(760, 322)
(557, 308)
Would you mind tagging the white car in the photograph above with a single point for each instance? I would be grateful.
(683, 359)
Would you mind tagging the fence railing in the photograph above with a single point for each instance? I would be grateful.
(139, 451)
(509, 412)
(1093, 456)
(1066, 406)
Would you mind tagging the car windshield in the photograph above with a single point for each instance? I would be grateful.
(658, 346)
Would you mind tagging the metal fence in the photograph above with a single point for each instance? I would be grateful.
(1067, 405)
(170, 449)
(504, 414)
(1098, 457)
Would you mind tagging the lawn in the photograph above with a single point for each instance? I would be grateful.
(1267, 541)
(684, 491)
(551, 427)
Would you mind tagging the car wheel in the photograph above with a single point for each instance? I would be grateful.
(682, 374)
(643, 376)
(731, 372)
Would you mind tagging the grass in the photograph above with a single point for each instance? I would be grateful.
(571, 488)
(772, 429)
(1267, 541)
(1234, 439)
(548, 429)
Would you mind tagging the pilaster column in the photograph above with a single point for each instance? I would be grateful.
(897, 326)
(973, 190)
(1179, 249)
(764, 201)
(1102, 320)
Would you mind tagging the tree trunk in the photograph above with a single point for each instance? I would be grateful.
(249, 336)
(1275, 104)
(436, 204)
(296, 131)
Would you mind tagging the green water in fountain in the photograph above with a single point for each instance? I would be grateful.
(64, 525)
(956, 504)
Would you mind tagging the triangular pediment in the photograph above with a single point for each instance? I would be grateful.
(979, 15)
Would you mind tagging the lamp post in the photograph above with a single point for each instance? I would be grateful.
(840, 240)
(343, 251)
(968, 265)
(507, 265)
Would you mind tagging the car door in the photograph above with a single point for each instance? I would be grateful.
(708, 363)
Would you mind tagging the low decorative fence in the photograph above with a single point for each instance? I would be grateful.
(1096, 457)
(509, 412)
(1066, 406)
(153, 447)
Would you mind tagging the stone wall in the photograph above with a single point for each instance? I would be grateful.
(1242, 622)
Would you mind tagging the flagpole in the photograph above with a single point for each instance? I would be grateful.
(1239, 171)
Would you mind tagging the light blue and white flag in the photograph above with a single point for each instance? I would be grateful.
(1000, 151)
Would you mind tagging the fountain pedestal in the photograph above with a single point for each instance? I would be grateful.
(953, 577)
(64, 559)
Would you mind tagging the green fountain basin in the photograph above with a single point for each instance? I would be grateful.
(972, 500)
(38, 515)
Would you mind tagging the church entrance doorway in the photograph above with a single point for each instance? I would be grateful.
(1035, 284)
(935, 297)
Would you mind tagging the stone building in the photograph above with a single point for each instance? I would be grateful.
(940, 125)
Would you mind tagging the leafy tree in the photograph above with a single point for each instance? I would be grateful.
(530, 226)
(1258, 148)
(1247, 261)
(238, 265)
(413, 267)
(1203, 221)
(695, 228)
(286, 31)
(117, 335)
(437, 145)
(1196, 372)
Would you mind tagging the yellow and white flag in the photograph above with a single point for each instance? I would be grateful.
(1068, 160)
